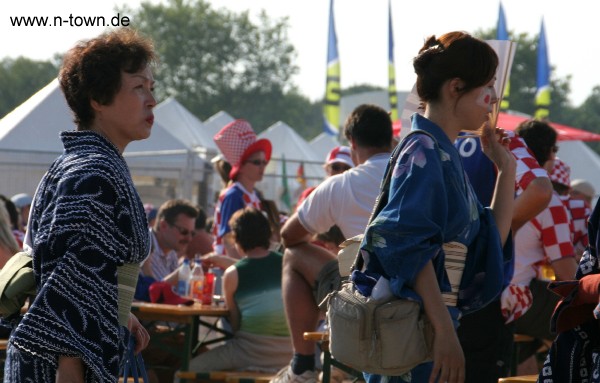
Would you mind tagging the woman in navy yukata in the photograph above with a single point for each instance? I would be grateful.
(431, 201)
(88, 232)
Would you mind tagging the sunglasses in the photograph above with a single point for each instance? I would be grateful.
(183, 231)
(257, 162)
(339, 167)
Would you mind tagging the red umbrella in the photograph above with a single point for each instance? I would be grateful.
(565, 133)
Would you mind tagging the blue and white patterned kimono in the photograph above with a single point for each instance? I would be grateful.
(87, 219)
(431, 202)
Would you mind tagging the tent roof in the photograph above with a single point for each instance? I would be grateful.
(323, 143)
(34, 126)
(216, 122)
(565, 133)
(584, 162)
(286, 141)
(182, 124)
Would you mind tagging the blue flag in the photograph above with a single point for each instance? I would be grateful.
(502, 34)
(501, 30)
(393, 94)
(542, 96)
(331, 109)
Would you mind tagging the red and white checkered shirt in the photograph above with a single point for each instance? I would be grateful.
(580, 213)
(516, 298)
(528, 168)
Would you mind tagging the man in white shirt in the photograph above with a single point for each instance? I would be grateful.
(345, 200)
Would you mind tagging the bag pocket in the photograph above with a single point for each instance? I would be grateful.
(400, 338)
(347, 335)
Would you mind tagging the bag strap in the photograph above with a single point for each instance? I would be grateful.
(134, 364)
(384, 192)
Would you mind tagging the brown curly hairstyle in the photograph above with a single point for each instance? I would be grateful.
(92, 70)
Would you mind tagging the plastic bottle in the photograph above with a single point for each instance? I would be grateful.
(209, 287)
(197, 281)
(183, 278)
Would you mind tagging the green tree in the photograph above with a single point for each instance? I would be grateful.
(20, 78)
(213, 60)
(587, 116)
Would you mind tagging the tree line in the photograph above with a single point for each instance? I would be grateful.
(214, 59)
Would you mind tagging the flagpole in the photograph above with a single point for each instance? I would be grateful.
(393, 93)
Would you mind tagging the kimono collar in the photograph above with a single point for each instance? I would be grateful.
(421, 123)
(76, 140)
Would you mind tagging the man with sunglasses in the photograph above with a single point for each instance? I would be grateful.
(172, 231)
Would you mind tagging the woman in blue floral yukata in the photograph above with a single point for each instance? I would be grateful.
(431, 201)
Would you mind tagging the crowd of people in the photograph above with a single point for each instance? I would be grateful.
(506, 198)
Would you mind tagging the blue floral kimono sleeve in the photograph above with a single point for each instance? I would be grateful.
(411, 228)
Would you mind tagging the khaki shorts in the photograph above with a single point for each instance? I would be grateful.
(328, 280)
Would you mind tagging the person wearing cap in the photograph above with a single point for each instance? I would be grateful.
(583, 190)
(252, 291)
(346, 200)
(338, 160)
(578, 209)
(22, 202)
(87, 231)
(545, 238)
(248, 157)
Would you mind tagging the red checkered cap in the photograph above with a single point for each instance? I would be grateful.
(561, 173)
(234, 139)
(237, 141)
(340, 154)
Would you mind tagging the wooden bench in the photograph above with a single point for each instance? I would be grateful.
(322, 337)
(3, 344)
(226, 376)
(519, 379)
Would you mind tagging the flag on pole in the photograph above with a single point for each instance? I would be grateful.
(331, 109)
(502, 34)
(542, 96)
(300, 177)
(393, 94)
(285, 191)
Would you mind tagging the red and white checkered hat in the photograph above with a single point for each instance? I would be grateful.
(237, 141)
(561, 173)
(340, 154)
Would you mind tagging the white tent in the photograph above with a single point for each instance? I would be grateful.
(29, 142)
(323, 143)
(182, 124)
(216, 122)
(286, 142)
(584, 162)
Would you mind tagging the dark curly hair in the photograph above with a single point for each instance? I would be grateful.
(369, 126)
(453, 55)
(92, 70)
(250, 228)
(540, 138)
